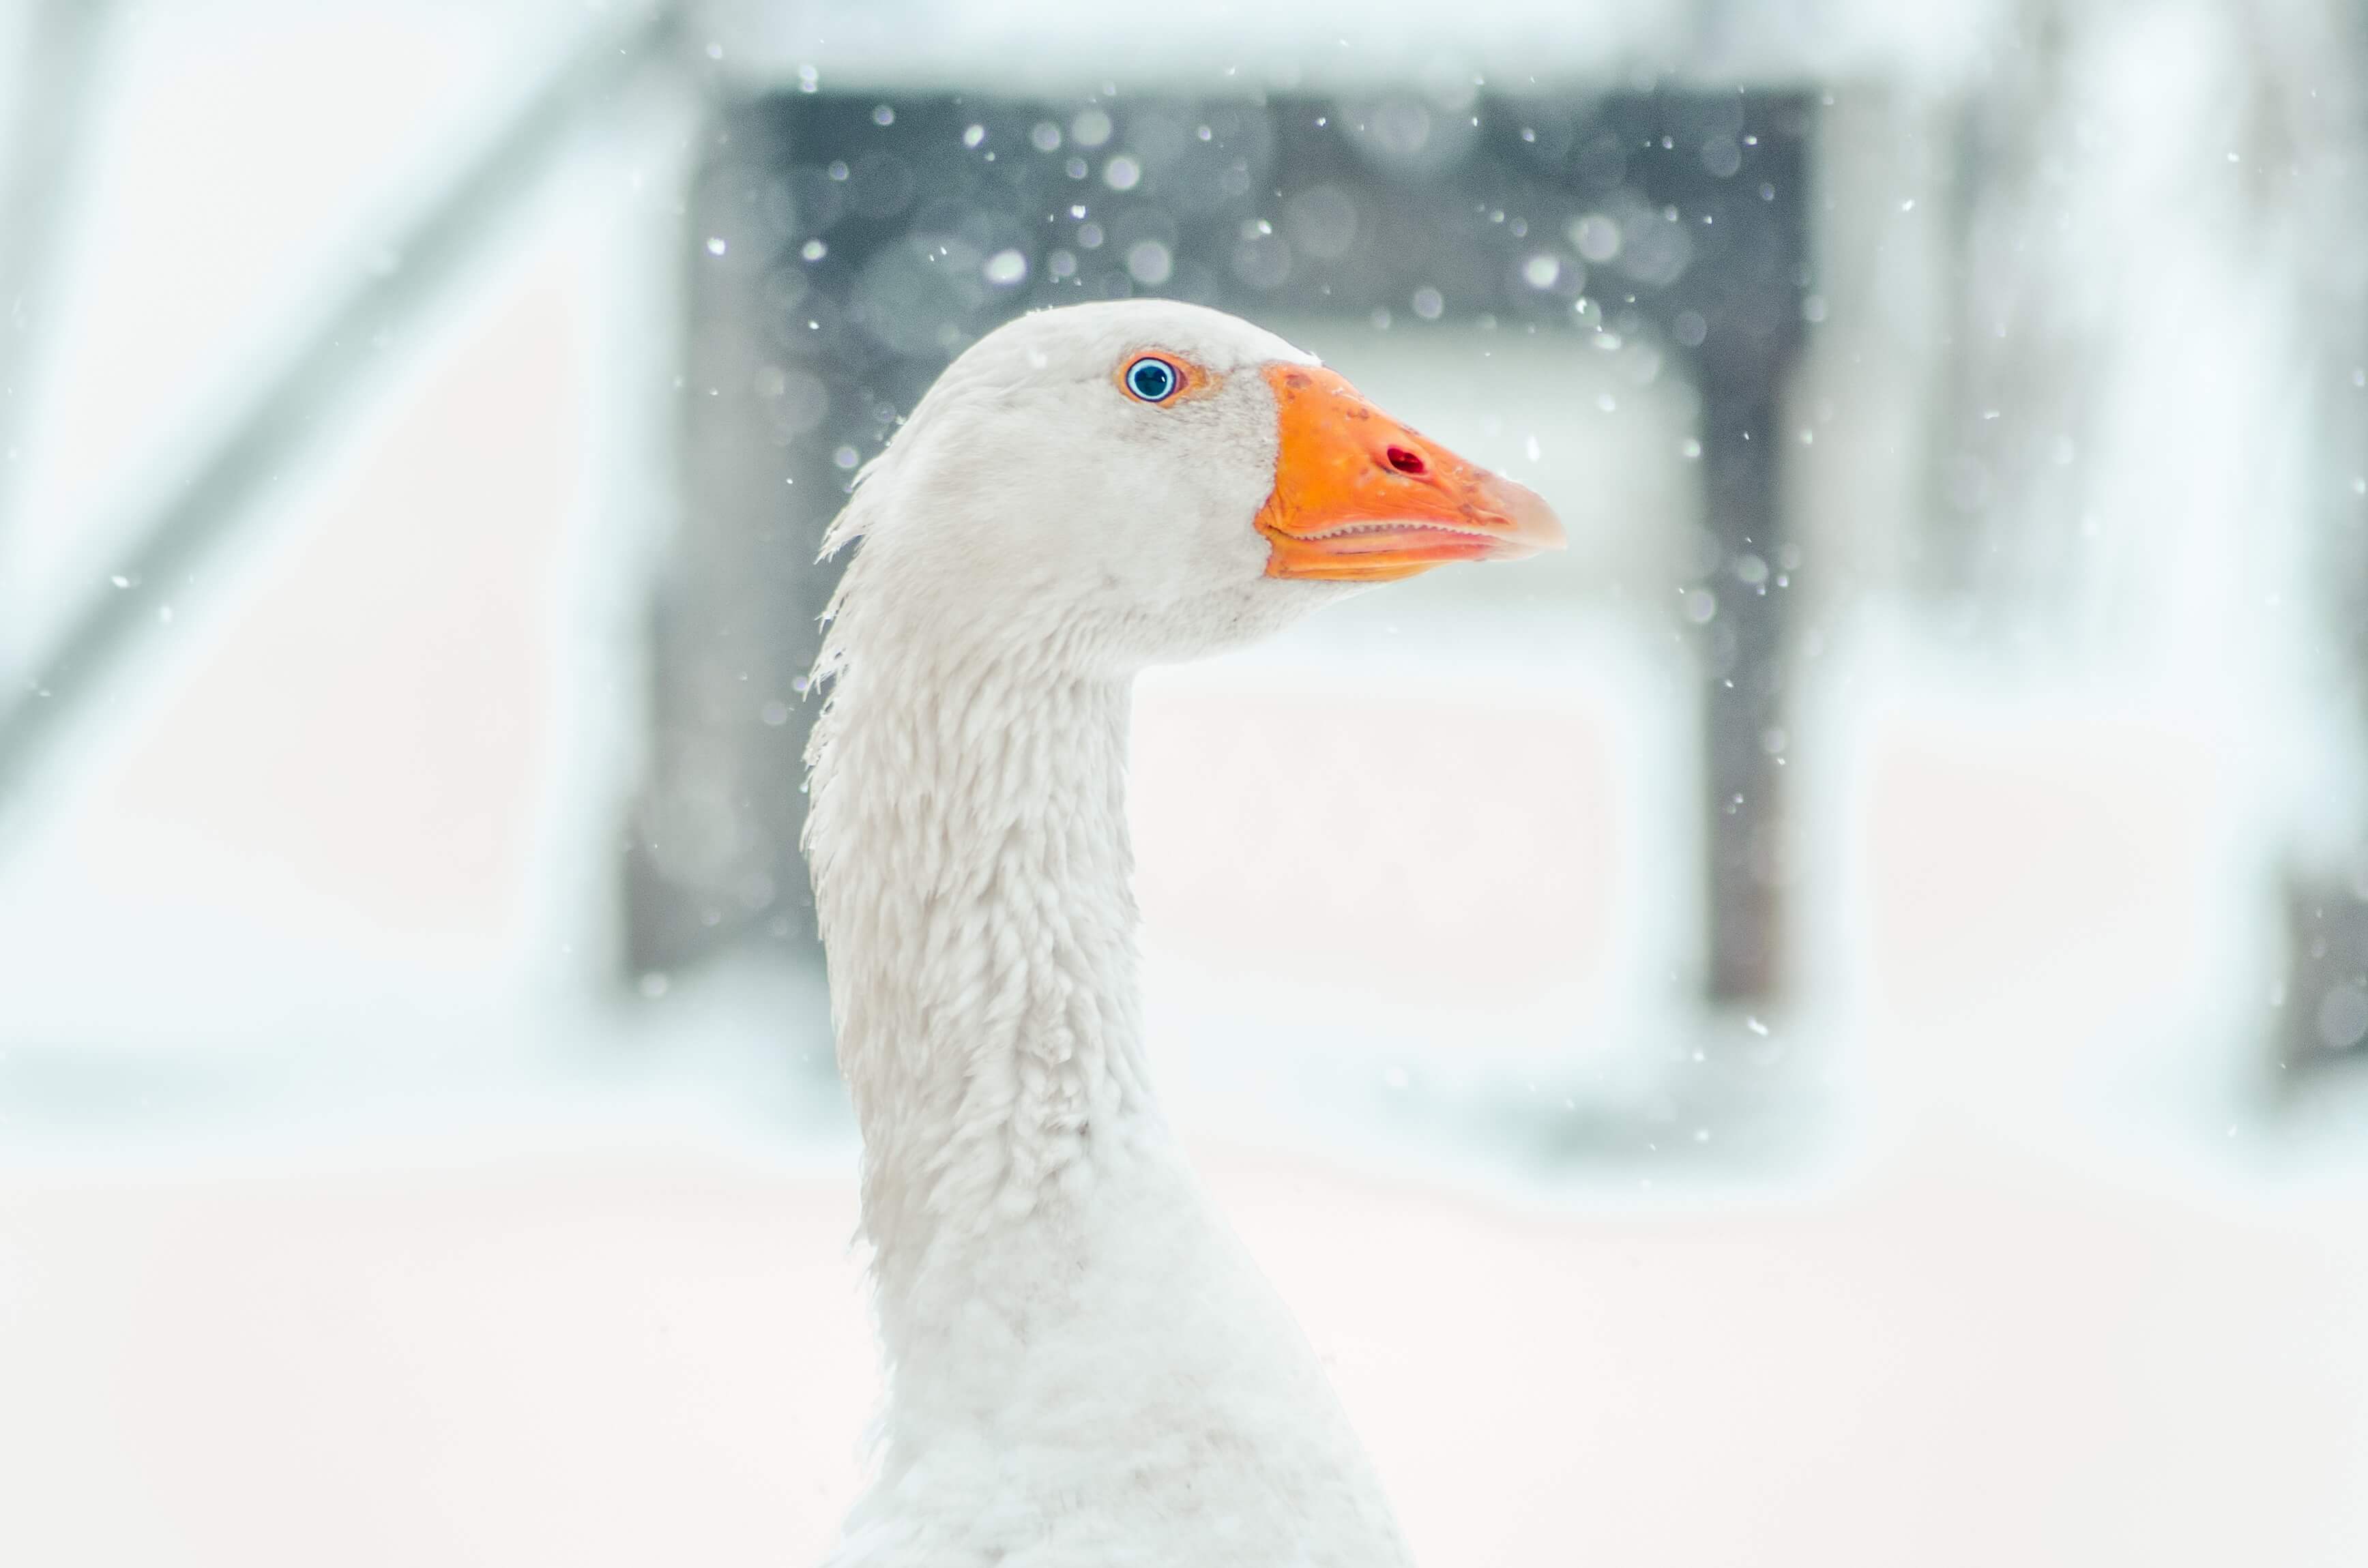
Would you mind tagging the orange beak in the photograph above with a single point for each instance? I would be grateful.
(1360, 498)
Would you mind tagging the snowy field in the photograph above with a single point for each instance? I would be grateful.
(619, 1355)
(620, 1321)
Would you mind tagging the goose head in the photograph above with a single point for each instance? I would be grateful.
(1126, 482)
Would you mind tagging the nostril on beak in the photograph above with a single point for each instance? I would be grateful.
(1407, 462)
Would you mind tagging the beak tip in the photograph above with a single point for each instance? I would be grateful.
(1535, 527)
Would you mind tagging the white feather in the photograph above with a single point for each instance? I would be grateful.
(1084, 1366)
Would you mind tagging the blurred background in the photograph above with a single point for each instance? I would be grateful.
(1837, 1033)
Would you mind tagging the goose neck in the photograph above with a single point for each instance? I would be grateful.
(973, 877)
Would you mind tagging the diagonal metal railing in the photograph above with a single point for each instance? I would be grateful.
(65, 42)
(213, 499)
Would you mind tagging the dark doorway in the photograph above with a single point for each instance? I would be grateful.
(844, 249)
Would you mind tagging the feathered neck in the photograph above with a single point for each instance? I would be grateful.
(972, 876)
(1078, 1349)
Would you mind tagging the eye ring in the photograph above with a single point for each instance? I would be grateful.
(1151, 380)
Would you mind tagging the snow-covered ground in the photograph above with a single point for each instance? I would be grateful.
(640, 1349)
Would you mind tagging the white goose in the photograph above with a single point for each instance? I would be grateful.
(1084, 1366)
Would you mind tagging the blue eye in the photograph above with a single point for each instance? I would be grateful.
(1153, 381)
